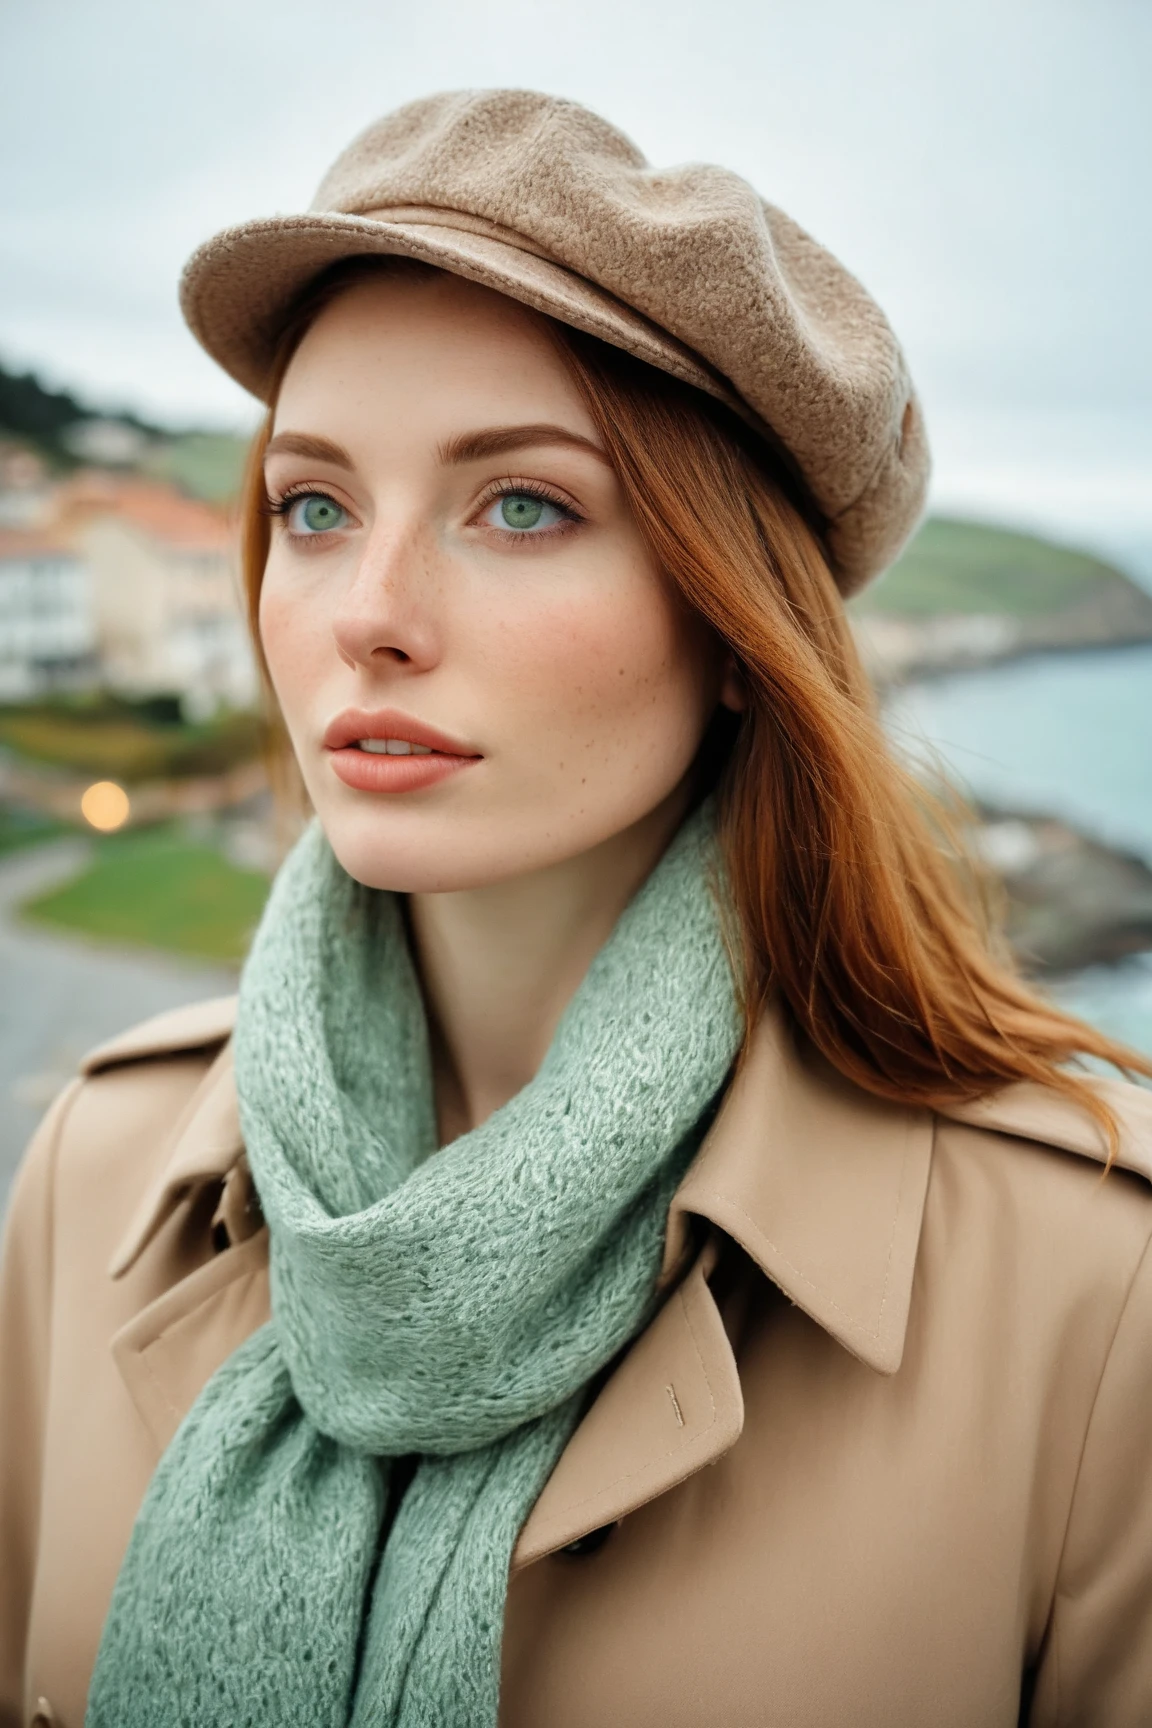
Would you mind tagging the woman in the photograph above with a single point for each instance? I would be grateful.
(622, 1081)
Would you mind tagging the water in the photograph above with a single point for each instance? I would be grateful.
(1117, 999)
(1062, 734)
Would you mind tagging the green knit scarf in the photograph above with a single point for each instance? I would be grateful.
(449, 1305)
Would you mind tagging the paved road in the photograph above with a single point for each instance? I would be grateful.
(60, 996)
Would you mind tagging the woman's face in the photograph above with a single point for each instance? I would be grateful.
(482, 671)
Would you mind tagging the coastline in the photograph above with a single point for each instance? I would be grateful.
(897, 648)
(1071, 902)
(966, 595)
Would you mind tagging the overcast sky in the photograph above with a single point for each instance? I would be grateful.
(983, 165)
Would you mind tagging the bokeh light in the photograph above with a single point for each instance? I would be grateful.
(105, 806)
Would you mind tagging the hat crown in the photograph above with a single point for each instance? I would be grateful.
(456, 148)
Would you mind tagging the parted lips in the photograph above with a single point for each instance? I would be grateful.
(687, 268)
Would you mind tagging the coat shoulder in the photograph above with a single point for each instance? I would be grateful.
(1031, 1166)
(126, 1115)
(198, 1026)
(1051, 1119)
(153, 1108)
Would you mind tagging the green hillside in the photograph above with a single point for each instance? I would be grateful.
(205, 465)
(965, 567)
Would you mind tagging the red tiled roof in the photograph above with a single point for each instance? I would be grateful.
(161, 512)
(34, 543)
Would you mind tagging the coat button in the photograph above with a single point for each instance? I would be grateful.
(589, 1544)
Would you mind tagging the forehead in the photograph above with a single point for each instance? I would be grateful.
(425, 353)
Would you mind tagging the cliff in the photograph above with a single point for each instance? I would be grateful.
(966, 595)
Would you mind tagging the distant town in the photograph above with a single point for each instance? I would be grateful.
(114, 579)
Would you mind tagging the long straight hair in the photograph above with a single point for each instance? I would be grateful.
(852, 901)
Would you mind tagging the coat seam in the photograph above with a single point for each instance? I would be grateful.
(67, 1105)
(1107, 1358)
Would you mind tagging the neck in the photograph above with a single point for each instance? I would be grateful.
(499, 964)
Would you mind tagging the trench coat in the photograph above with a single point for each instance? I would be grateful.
(882, 1459)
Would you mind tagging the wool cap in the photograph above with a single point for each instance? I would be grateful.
(686, 268)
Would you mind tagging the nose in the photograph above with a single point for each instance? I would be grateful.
(387, 614)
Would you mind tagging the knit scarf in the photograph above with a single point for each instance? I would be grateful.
(446, 1305)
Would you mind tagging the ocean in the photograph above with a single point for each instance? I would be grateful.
(1062, 734)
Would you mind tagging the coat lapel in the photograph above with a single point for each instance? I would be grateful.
(672, 1406)
(169, 1350)
(206, 1145)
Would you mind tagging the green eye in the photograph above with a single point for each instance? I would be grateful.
(521, 510)
(315, 514)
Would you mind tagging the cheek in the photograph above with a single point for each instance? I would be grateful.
(616, 675)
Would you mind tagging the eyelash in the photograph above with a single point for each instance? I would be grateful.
(509, 487)
(292, 494)
(506, 488)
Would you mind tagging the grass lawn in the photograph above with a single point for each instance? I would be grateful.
(964, 567)
(154, 888)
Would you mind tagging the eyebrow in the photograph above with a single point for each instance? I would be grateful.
(313, 449)
(466, 447)
(502, 440)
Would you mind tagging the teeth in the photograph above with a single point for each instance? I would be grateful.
(393, 747)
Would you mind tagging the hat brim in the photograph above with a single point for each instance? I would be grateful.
(238, 287)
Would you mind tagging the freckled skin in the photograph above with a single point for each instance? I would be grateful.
(536, 651)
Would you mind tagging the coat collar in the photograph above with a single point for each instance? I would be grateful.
(823, 1187)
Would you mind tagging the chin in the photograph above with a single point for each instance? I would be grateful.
(425, 851)
(409, 849)
(413, 843)
(421, 856)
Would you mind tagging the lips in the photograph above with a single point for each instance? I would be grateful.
(406, 755)
(391, 724)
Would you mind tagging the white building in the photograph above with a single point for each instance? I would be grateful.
(27, 495)
(164, 592)
(48, 638)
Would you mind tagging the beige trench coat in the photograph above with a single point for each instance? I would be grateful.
(882, 1460)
